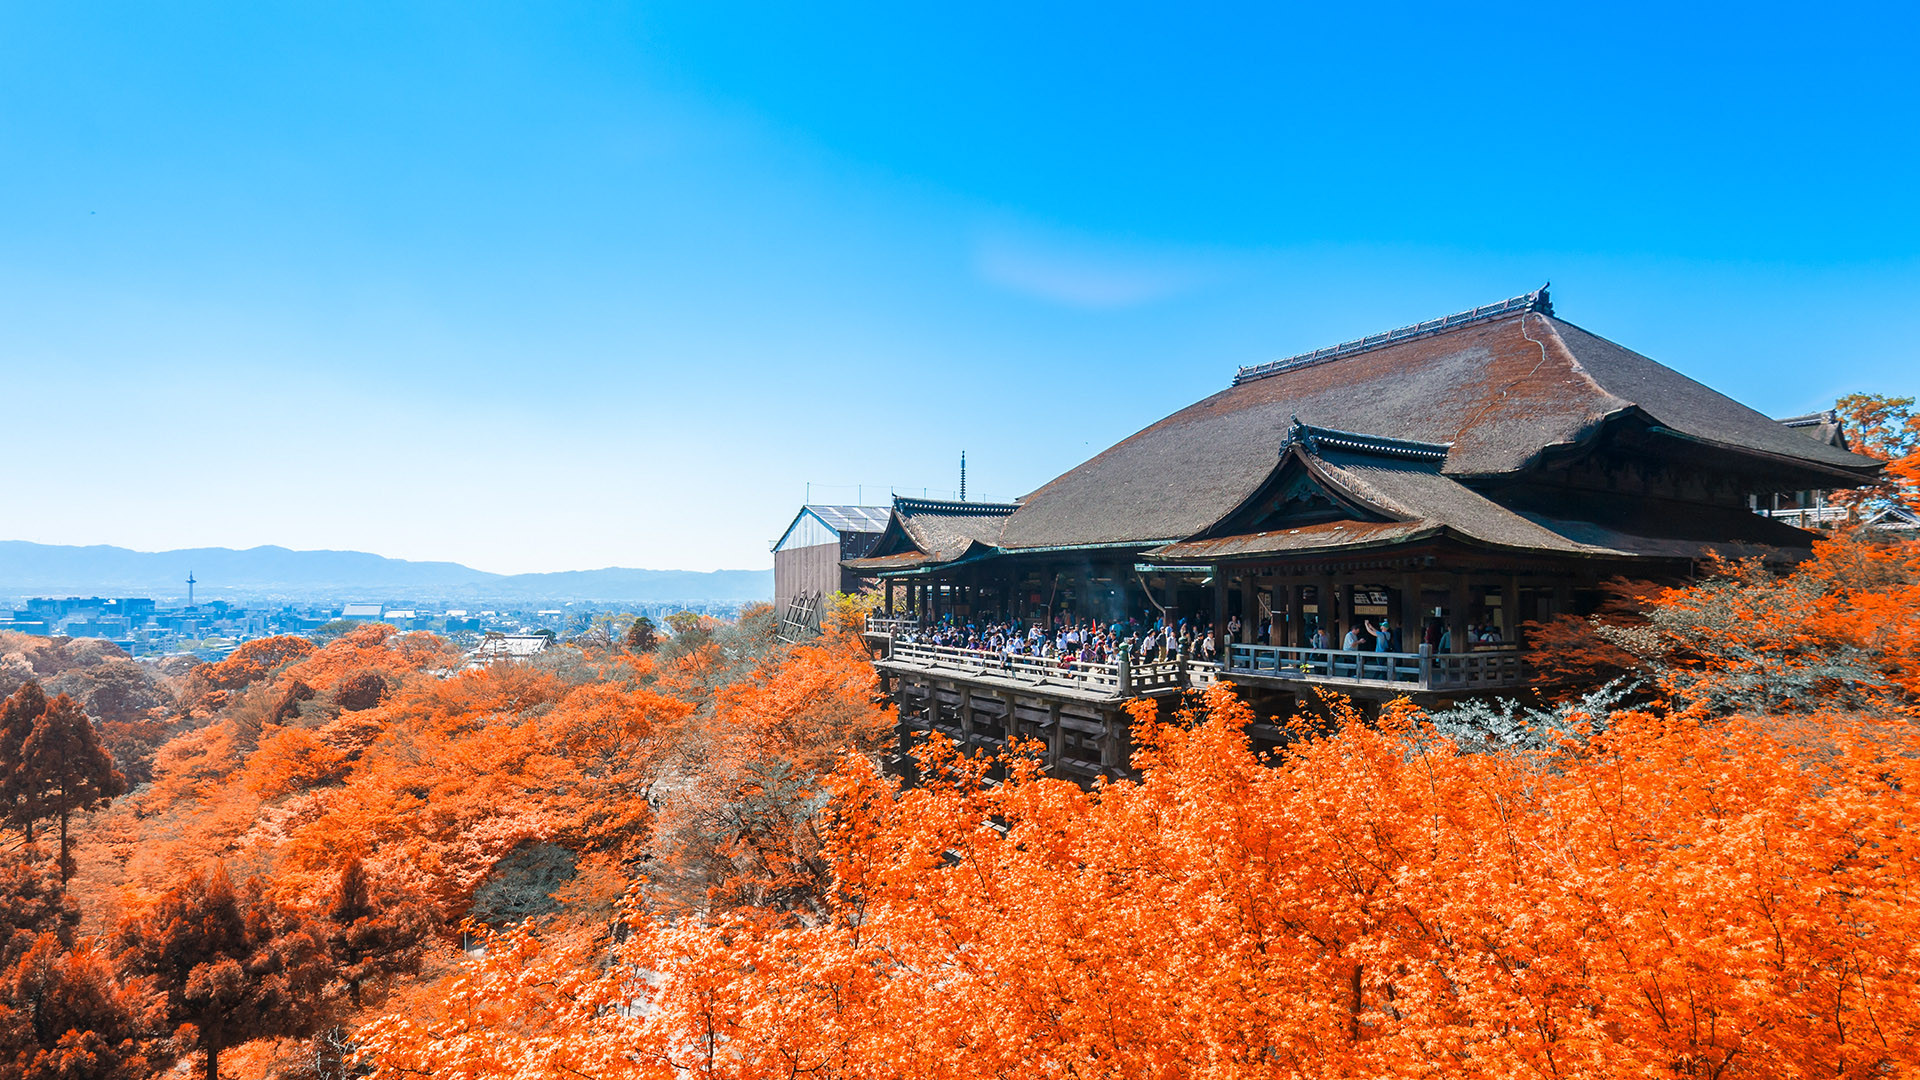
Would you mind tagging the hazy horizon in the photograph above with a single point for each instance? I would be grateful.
(768, 568)
(270, 571)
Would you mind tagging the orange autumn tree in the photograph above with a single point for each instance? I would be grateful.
(1840, 630)
(1677, 896)
(210, 685)
(1887, 428)
(63, 770)
(230, 964)
(741, 826)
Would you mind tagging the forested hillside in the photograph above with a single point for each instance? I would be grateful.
(364, 859)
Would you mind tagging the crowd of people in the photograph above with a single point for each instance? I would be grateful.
(1068, 641)
(1164, 638)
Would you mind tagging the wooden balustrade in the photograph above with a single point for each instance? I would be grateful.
(1100, 678)
(1489, 669)
(881, 624)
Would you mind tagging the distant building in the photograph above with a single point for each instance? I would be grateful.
(360, 611)
(500, 648)
(1815, 508)
(808, 557)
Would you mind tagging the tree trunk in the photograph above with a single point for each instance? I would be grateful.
(213, 1060)
(66, 868)
(1353, 1006)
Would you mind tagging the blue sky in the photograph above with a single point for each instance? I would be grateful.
(550, 286)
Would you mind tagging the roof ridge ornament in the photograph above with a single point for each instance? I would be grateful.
(906, 505)
(1317, 440)
(1536, 301)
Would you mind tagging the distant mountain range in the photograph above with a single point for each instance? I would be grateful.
(53, 569)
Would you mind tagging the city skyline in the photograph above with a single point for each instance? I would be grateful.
(571, 288)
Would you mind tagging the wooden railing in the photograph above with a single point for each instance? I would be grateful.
(881, 624)
(1099, 678)
(1807, 517)
(1488, 669)
(1482, 669)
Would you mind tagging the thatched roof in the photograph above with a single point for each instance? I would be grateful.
(1821, 426)
(1498, 392)
(1394, 494)
(934, 532)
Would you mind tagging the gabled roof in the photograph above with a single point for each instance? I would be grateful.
(934, 531)
(840, 519)
(1499, 389)
(1379, 482)
(847, 519)
(1822, 426)
(1395, 498)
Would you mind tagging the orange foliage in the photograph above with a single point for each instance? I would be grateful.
(742, 825)
(373, 647)
(1840, 631)
(1886, 428)
(1717, 885)
(1681, 894)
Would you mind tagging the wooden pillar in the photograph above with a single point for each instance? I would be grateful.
(886, 596)
(1219, 630)
(966, 714)
(1056, 739)
(1412, 617)
(1249, 608)
(1510, 609)
(1459, 597)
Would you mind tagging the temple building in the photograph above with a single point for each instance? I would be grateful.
(1433, 487)
(809, 556)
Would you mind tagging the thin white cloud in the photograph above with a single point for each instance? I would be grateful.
(1084, 275)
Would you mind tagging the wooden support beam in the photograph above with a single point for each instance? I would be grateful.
(1219, 630)
(1411, 616)
(1459, 597)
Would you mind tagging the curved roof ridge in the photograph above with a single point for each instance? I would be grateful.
(1354, 442)
(1535, 301)
(905, 505)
